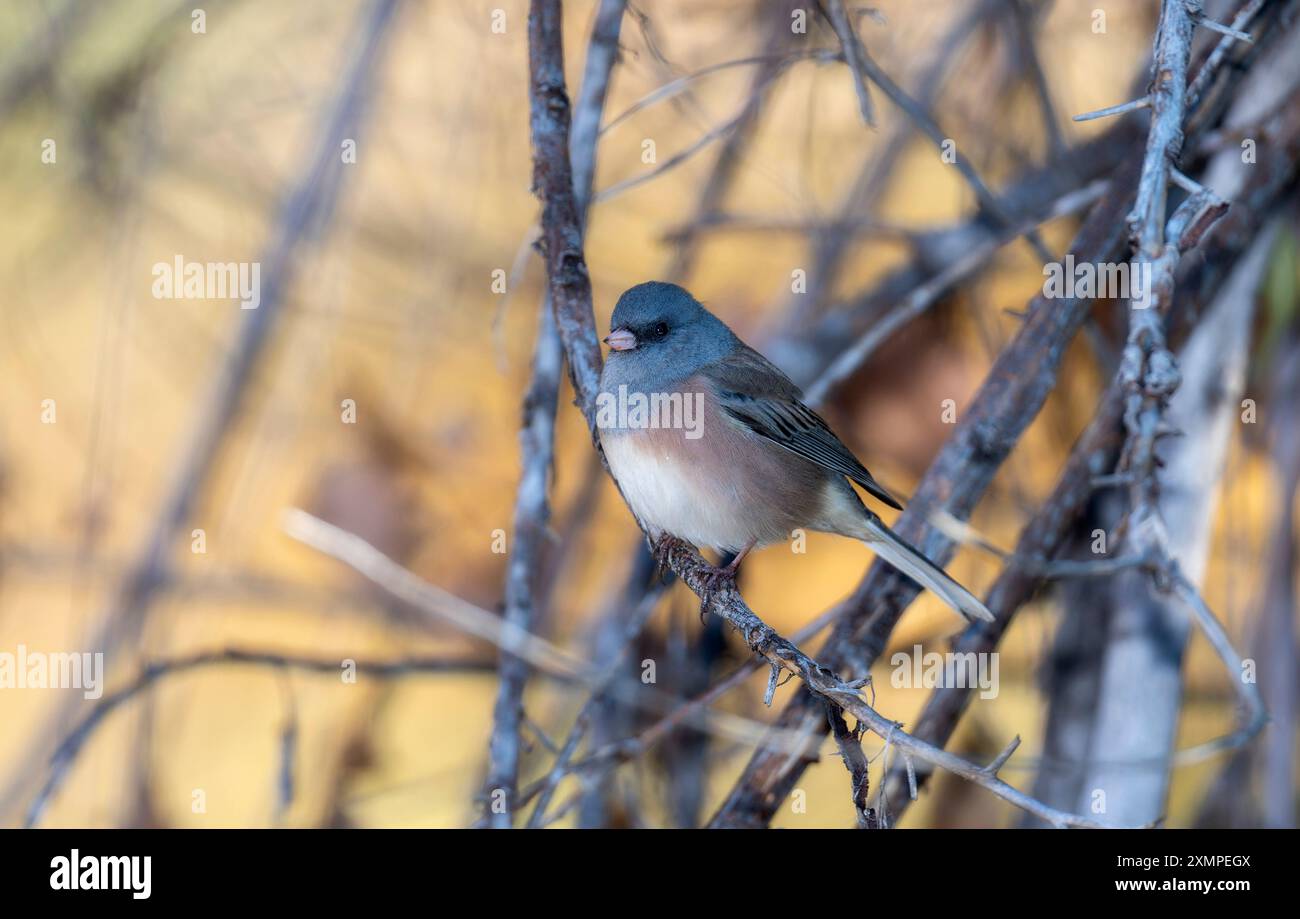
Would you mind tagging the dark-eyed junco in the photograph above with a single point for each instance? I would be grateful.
(711, 444)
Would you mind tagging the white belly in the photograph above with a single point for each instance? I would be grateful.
(669, 494)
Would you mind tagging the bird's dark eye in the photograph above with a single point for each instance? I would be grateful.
(660, 330)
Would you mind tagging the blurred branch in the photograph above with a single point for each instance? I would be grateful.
(927, 294)
(431, 599)
(803, 347)
(75, 741)
(829, 248)
(41, 52)
(729, 157)
(781, 654)
(855, 760)
(1247, 689)
(1096, 448)
(772, 60)
(1141, 676)
(306, 211)
(924, 122)
(848, 37)
(400, 582)
(1025, 29)
(616, 752)
(1142, 661)
(1276, 637)
(560, 768)
(602, 723)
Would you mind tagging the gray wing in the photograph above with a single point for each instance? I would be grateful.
(754, 392)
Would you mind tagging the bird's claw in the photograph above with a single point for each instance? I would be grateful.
(661, 551)
(714, 581)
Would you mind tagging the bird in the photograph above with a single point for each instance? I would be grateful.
(712, 445)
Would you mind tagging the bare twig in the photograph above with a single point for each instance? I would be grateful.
(926, 124)
(435, 602)
(631, 628)
(928, 293)
(673, 87)
(1247, 689)
(849, 42)
(730, 156)
(432, 600)
(621, 751)
(75, 741)
(532, 504)
(1121, 109)
(561, 239)
(830, 247)
(850, 747)
(1022, 18)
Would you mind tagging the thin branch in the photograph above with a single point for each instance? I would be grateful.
(830, 248)
(687, 714)
(927, 125)
(930, 292)
(631, 629)
(436, 603)
(536, 439)
(1247, 690)
(1047, 529)
(1022, 19)
(431, 599)
(729, 158)
(1206, 22)
(852, 56)
(71, 745)
(1196, 91)
(1121, 109)
(561, 239)
(855, 760)
(673, 87)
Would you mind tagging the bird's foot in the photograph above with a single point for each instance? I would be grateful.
(661, 550)
(714, 580)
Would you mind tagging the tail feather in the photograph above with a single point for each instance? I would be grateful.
(906, 558)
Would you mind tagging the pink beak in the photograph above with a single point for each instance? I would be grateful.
(621, 340)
